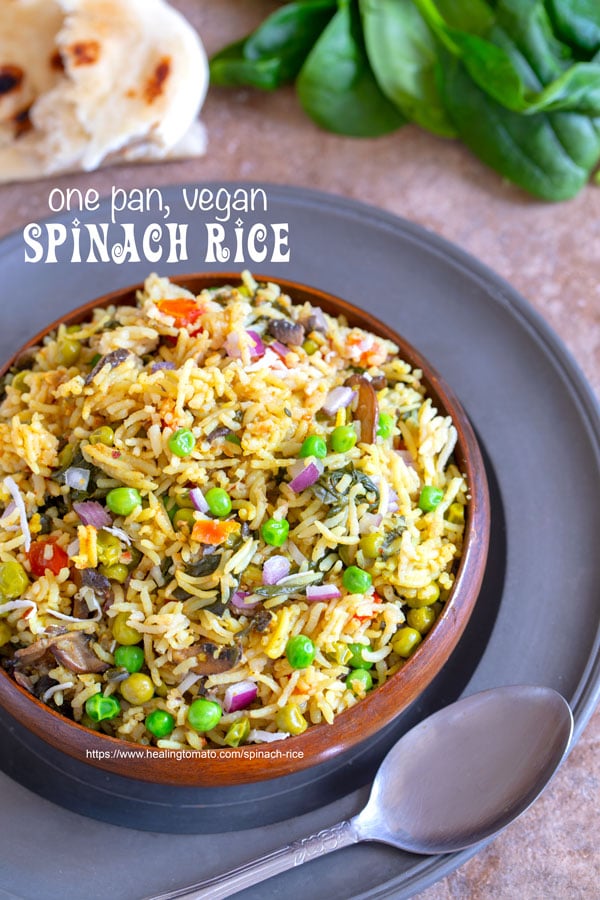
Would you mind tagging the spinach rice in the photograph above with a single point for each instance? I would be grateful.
(225, 518)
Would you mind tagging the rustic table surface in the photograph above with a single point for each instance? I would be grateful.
(550, 253)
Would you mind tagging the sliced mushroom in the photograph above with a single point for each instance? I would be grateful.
(74, 653)
(23, 681)
(286, 331)
(315, 321)
(379, 382)
(211, 658)
(367, 408)
(113, 359)
(262, 620)
(99, 584)
(35, 652)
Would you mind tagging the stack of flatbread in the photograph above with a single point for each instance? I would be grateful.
(85, 83)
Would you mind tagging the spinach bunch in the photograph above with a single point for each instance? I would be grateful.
(518, 81)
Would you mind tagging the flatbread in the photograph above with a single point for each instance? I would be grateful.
(85, 83)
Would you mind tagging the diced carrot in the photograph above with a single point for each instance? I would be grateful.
(213, 532)
(184, 311)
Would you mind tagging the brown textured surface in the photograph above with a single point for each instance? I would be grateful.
(550, 253)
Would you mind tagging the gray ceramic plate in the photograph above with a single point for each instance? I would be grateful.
(537, 422)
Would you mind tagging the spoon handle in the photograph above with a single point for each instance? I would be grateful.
(264, 867)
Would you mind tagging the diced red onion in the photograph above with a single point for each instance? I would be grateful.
(338, 398)
(197, 498)
(232, 345)
(274, 569)
(77, 478)
(240, 695)
(279, 348)
(11, 486)
(9, 510)
(369, 522)
(392, 504)
(266, 737)
(238, 600)
(307, 476)
(190, 679)
(322, 592)
(162, 364)
(407, 458)
(259, 347)
(118, 532)
(92, 513)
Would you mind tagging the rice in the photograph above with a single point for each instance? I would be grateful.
(247, 373)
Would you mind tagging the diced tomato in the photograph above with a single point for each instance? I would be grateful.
(47, 555)
(183, 311)
(212, 532)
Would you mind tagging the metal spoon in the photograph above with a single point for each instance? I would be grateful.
(453, 780)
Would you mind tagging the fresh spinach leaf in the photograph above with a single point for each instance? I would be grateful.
(336, 85)
(577, 22)
(550, 155)
(403, 55)
(274, 53)
(230, 68)
(575, 89)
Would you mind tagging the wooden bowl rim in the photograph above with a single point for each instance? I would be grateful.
(351, 727)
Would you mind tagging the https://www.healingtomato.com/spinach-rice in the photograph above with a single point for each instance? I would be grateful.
(223, 519)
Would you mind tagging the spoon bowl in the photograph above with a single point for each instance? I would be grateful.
(455, 779)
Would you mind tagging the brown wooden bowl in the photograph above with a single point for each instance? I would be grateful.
(320, 742)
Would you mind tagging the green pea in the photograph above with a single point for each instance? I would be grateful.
(426, 596)
(204, 715)
(123, 500)
(356, 580)
(290, 719)
(359, 682)
(456, 514)
(13, 580)
(406, 641)
(160, 723)
(309, 346)
(5, 633)
(300, 651)
(65, 457)
(100, 708)
(372, 544)
(108, 548)
(219, 502)
(430, 498)
(68, 352)
(19, 383)
(386, 425)
(117, 572)
(421, 619)
(313, 446)
(137, 689)
(182, 498)
(104, 435)
(131, 658)
(357, 660)
(237, 732)
(275, 532)
(182, 442)
(343, 438)
(124, 633)
(184, 517)
(171, 507)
